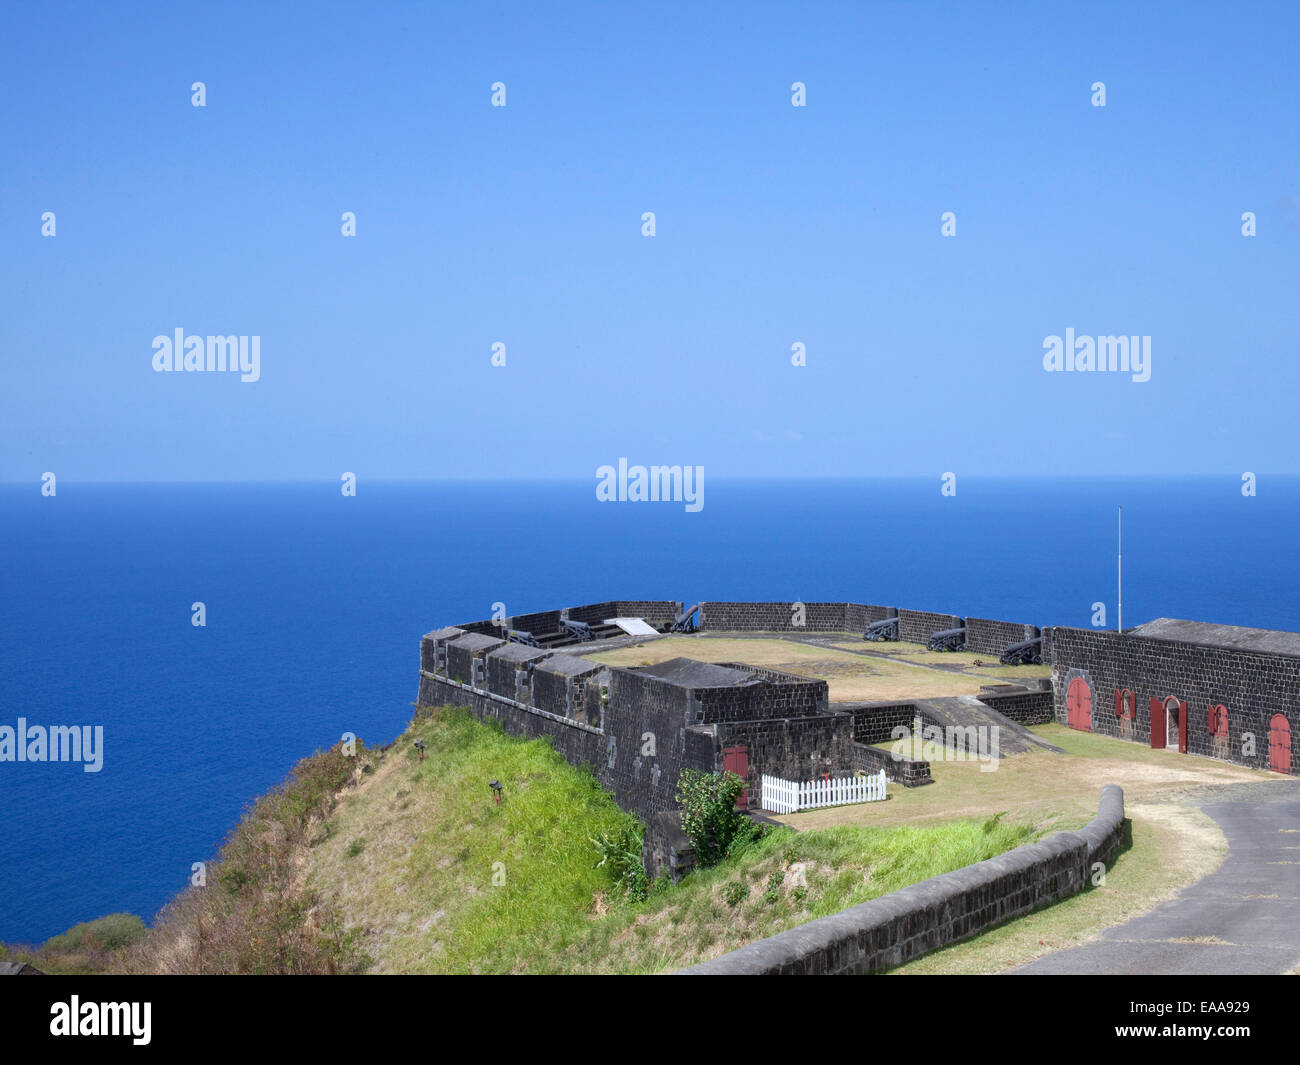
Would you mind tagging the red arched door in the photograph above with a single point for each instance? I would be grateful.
(1279, 744)
(1078, 705)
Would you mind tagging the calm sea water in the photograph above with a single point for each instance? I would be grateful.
(315, 605)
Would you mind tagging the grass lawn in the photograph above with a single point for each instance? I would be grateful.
(879, 674)
(1173, 843)
(439, 878)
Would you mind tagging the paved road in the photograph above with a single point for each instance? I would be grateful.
(1249, 908)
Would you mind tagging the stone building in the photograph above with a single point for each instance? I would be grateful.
(1184, 686)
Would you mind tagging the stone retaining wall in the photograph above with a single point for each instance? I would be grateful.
(903, 925)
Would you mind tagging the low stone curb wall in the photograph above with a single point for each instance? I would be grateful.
(1026, 708)
(909, 772)
(905, 924)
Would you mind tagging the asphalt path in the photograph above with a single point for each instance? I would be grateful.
(1242, 919)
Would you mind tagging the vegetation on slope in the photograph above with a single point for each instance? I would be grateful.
(253, 914)
(448, 880)
(89, 947)
(378, 861)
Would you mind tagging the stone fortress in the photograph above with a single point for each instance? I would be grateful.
(1215, 690)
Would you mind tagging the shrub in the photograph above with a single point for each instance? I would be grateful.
(620, 853)
(773, 892)
(735, 892)
(709, 817)
(255, 917)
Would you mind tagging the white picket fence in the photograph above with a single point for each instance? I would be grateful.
(788, 796)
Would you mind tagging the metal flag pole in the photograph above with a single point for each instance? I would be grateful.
(1119, 571)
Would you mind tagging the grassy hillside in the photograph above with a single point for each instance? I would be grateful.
(437, 877)
(377, 862)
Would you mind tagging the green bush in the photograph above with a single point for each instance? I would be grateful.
(709, 817)
(109, 933)
(735, 892)
(620, 853)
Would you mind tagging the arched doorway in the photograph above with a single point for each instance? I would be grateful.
(1176, 734)
(1078, 705)
(1169, 724)
(1279, 744)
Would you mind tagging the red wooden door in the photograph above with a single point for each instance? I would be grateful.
(1158, 725)
(736, 760)
(1279, 744)
(1078, 705)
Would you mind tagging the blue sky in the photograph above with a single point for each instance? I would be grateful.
(522, 224)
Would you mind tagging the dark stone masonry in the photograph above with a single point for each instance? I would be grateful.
(903, 925)
(1214, 690)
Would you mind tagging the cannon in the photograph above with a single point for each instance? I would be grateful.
(947, 640)
(1024, 653)
(519, 636)
(882, 630)
(687, 620)
(579, 630)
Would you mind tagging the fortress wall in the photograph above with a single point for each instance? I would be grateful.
(900, 926)
(579, 744)
(503, 663)
(874, 722)
(433, 647)
(1026, 708)
(646, 726)
(559, 685)
(463, 651)
(993, 637)
(796, 748)
(1252, 685)
(655, 611)
(779, 616)
(909, 772)
(539, 624)
(857, 616)
(484, 628)
(917, 626)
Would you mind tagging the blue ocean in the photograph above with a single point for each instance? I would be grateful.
(315, 604)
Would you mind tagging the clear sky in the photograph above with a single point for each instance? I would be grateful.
(522, 225)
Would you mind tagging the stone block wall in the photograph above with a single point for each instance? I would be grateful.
(646, 732)
(464, 651)
(1252, 685)
(579, 744)
(909, 772)
(857, 616)
(874, 722)
(903, 925)
(539, 624)
(796, 748)
(433, 648)
(655, 611)
(503, 665)
(993, 637)
(1026, 708)
(559, 684)
(917, 626)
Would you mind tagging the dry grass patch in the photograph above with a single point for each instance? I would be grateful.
(850, 677)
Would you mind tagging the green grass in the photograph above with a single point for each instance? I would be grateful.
(84, 948)
(450, 881)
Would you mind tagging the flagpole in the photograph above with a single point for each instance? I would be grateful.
(1119, 571)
